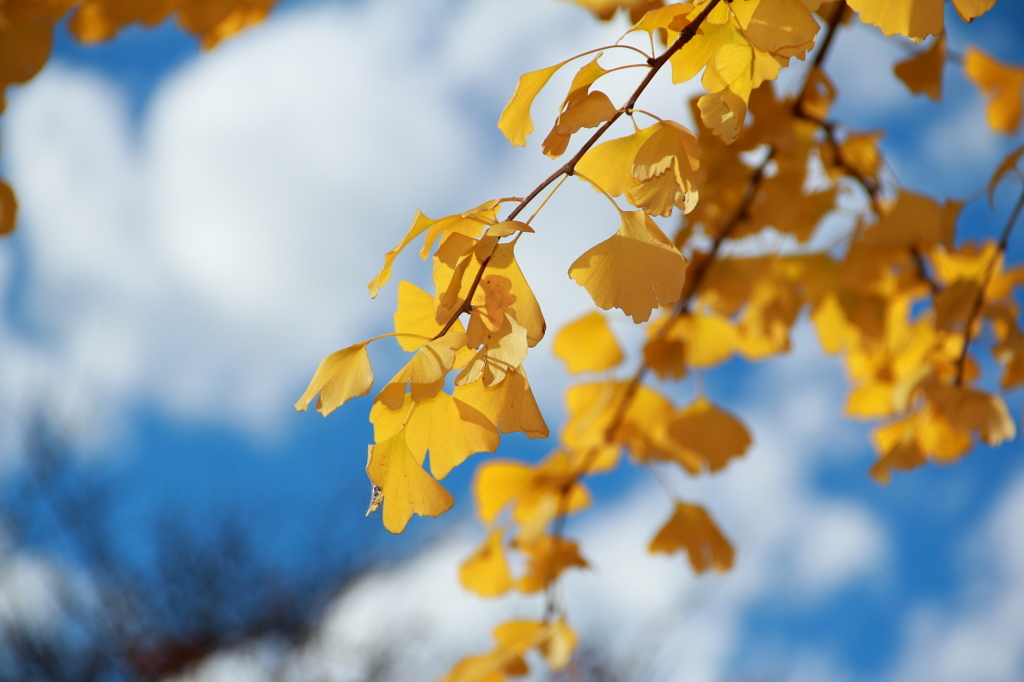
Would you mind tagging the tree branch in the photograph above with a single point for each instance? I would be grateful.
(1004, 239)
(685, 36)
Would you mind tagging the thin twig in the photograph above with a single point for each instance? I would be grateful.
(1004, 239)
(694, 278)
(685, 36)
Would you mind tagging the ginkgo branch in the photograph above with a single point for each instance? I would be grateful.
(568, 168)
(1004, 240)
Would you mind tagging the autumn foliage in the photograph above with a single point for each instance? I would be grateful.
(906, 304)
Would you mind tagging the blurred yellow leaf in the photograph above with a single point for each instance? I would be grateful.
(1002, 85)
(712, 435)
(588, 345)
(546, 559)
(916, 220)
(486, 571)
(971, 410)
(691, 529)
(557, 643)
(923, 71)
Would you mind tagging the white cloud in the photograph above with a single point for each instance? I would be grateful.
(206, 259)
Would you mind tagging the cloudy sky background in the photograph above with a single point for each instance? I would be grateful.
(197, 231)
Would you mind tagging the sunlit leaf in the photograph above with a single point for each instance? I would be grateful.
(451, 430)
(515, 120)
(425, 372)
(341, 376)
(635, 270)
(407, 488)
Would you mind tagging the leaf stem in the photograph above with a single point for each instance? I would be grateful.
(598, 188)
(543, 203)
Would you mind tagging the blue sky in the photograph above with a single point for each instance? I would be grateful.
(197, 231)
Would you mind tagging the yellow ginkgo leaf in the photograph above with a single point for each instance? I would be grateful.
(691, 529)
(713, 435)
(939, 439)
(588, 345)
(663, 18)
(664, 166)
(471, 223)
(589, 112)
(780, 27)
(710, 338)
(669, 140)
(723, 112)
(923, 71)
(341, 376)
(635, 270)
(486, 571)
(387, 422)
(609, 165)
(660, 194)
(407, 488)
(515, 120)
(451, 429)
(504, 350)
(702, 49)
(954, 304)
(1002, 85)
(414, 318)
(526, 309)
(426, 371)
(509, 405)
(547, 558)
(591, 410)
(419, 224)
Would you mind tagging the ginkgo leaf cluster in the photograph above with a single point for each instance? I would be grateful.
(903, 300)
